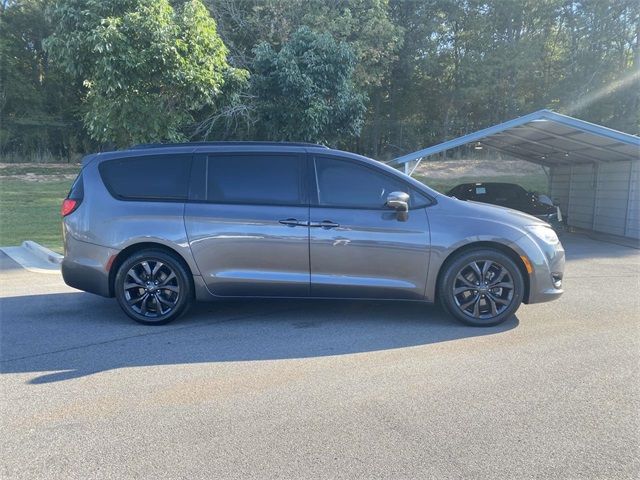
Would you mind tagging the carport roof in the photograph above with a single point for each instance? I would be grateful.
(547, 138)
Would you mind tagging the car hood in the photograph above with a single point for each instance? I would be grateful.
(488, 211)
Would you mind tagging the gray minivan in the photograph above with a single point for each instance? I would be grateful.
(158, 226)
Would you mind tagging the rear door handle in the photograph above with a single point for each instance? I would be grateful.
(324, 224)
(292, 222)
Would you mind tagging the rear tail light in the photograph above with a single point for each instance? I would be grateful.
(73, 200)
(68, 206)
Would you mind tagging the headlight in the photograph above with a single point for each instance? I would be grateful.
(544, 233)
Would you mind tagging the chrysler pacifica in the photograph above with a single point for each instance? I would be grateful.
(159, 226)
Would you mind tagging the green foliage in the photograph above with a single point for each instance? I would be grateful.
(305, 91)
(38, 101)
(467, 65)
(146, 66)
(126, 71)
(364, 24)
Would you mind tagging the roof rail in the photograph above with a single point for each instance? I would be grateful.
(224, 143)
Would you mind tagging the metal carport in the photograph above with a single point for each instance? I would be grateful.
(594, 170)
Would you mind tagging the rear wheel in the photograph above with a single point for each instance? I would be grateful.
(482, 287)
(153, 287)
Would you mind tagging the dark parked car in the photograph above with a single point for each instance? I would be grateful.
(509, 195)
(160, 226)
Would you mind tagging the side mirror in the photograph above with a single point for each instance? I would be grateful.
(399, 201)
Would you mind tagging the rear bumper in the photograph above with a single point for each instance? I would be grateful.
(85, 266)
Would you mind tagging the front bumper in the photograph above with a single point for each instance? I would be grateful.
(547, 265)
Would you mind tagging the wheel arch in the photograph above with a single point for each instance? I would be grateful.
(500, 247)
(137, 247)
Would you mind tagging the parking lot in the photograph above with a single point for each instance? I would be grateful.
(324, 389)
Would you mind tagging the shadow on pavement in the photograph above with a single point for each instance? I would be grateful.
(70, 335)
(579, 246)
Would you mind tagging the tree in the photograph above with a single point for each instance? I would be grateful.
(465, 65)
(305, 91)
(365, 25)
(38, 102)
(425, 70)
(600, 78)
(147, 67)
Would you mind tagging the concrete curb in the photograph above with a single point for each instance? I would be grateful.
(31, 262)
(42, 252)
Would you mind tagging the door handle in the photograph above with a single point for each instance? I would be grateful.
(324, 224)
(291, 222)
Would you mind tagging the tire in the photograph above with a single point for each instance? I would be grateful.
(153, 287)
(484, 295)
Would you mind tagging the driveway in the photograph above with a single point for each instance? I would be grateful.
(319, 389)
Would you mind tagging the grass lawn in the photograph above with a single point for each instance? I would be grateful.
(30, 199)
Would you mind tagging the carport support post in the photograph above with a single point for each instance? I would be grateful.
(406, 168)
(596, 187)
(626, 214)
(549, 173)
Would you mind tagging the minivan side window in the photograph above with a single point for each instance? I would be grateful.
(77, 188)
(258, 179)
(346, 184)
(150, 177)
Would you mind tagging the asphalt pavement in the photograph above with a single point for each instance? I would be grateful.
(324, 389)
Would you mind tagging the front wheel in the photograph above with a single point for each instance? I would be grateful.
(153, 287)
(482, 287)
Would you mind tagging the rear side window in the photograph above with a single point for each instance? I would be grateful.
(157, 177)
(255, 179)
(349, 185)
(77, 189)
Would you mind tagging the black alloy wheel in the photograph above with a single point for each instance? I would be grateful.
(482, 287)
(153, 287)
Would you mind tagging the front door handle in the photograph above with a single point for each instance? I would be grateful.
(324, 224)
(292, 222)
